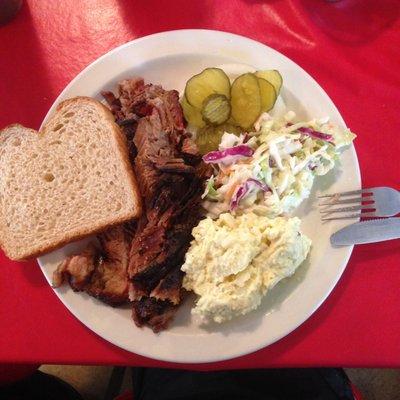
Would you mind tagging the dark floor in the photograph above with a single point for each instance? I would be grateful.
(375, 384)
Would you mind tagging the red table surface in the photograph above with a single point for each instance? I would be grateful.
(353, 51)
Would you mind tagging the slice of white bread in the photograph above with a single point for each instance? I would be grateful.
(68, 181)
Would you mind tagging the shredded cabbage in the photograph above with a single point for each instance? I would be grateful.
(229, 155)
(271, 170)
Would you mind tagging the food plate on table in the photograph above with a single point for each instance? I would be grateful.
(171, 59)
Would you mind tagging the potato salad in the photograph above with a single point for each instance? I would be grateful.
(234, 261)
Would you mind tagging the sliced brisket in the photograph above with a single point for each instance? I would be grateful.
(170, 288)
(77, 269)
(143, 259)
(166, 165)
(100, 270)
(152, 312)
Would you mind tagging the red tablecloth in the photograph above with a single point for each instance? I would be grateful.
(352, 50)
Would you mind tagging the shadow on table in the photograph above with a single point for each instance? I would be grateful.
(25, 90)
(353, 22)
(150, 16)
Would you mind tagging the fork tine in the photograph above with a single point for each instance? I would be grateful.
(328, 210)
(349, 193)
(332, 202)
(363, 215)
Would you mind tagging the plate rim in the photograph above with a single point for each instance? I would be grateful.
(258, 346)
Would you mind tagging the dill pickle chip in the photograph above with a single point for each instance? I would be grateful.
(216, 109)
(231, 121)
(268, 94)
(208, 139)
(246, 100)
(210, 81)
(192, 114)
(272, 76)
(227, 127)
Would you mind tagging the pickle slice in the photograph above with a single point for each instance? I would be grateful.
(268, 94)
(209, 137)
(209, 81)
(231, 121)
(227, 127)
(192, 115)
(216, 109)
(272, 76)
(245, 100)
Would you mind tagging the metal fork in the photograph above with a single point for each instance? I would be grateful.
(368, 203)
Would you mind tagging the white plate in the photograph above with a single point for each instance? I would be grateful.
(170, 58)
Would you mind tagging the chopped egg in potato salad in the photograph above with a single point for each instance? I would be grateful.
(234, 260)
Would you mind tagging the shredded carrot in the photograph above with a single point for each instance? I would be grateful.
(230, 192)
(245, 161)
(226, 170)
(219, 178)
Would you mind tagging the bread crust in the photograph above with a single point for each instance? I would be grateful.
(97, 226)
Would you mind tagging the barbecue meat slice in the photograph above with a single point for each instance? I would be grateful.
(150, 145)
(170, 288)
(149, 264)
(176, 165)
(77, 269)
(145, 258)
(152, 312)
(166, 166)
(150, 271)
(145, 249)
(170, 113)
(175, 113)
(190, 152)
(109, 280)
(128, 89)
(101, 271)
(128, 125)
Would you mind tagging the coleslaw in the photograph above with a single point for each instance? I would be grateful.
(271, 170)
